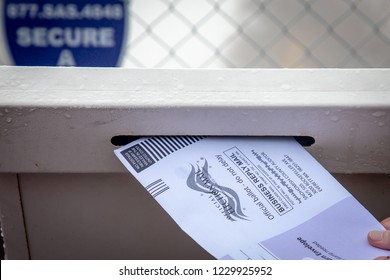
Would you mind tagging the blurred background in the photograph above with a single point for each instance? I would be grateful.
(259, 33)
(256, 33)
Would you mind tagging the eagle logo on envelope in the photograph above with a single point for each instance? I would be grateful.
(225, 199)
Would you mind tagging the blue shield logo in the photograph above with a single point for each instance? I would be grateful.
(65, 32)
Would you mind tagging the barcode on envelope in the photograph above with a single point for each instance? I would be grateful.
(149, 151)
(160, 147)
(157, 187)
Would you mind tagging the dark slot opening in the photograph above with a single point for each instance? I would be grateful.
(121, 140)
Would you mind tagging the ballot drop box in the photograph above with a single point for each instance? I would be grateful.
(64, 194)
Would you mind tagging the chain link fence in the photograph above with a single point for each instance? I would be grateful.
(259, 33)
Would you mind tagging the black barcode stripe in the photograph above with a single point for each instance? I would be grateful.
(182, 143)
(157, 146)
(149, 151)
(151, 145)
(160, 192)
(163, 145)
(157, 187)
(152, 184)
(185, 141)
(198, 138)
(167, 144)
(192, 139)
(176, 139)
(173, 143)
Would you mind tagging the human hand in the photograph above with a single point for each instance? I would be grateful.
(381, 238)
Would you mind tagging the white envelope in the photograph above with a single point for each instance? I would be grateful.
(252, 197)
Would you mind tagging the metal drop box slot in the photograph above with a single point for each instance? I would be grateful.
(64, 195)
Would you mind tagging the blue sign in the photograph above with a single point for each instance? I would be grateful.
(65, 33)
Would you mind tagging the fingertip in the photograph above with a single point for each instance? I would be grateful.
(383, 258)
(376, 235)
(379, 238)
(386, 223)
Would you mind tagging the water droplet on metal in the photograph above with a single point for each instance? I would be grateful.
(379, 114)
(334, 118)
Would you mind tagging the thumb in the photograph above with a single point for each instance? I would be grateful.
(379, 238)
